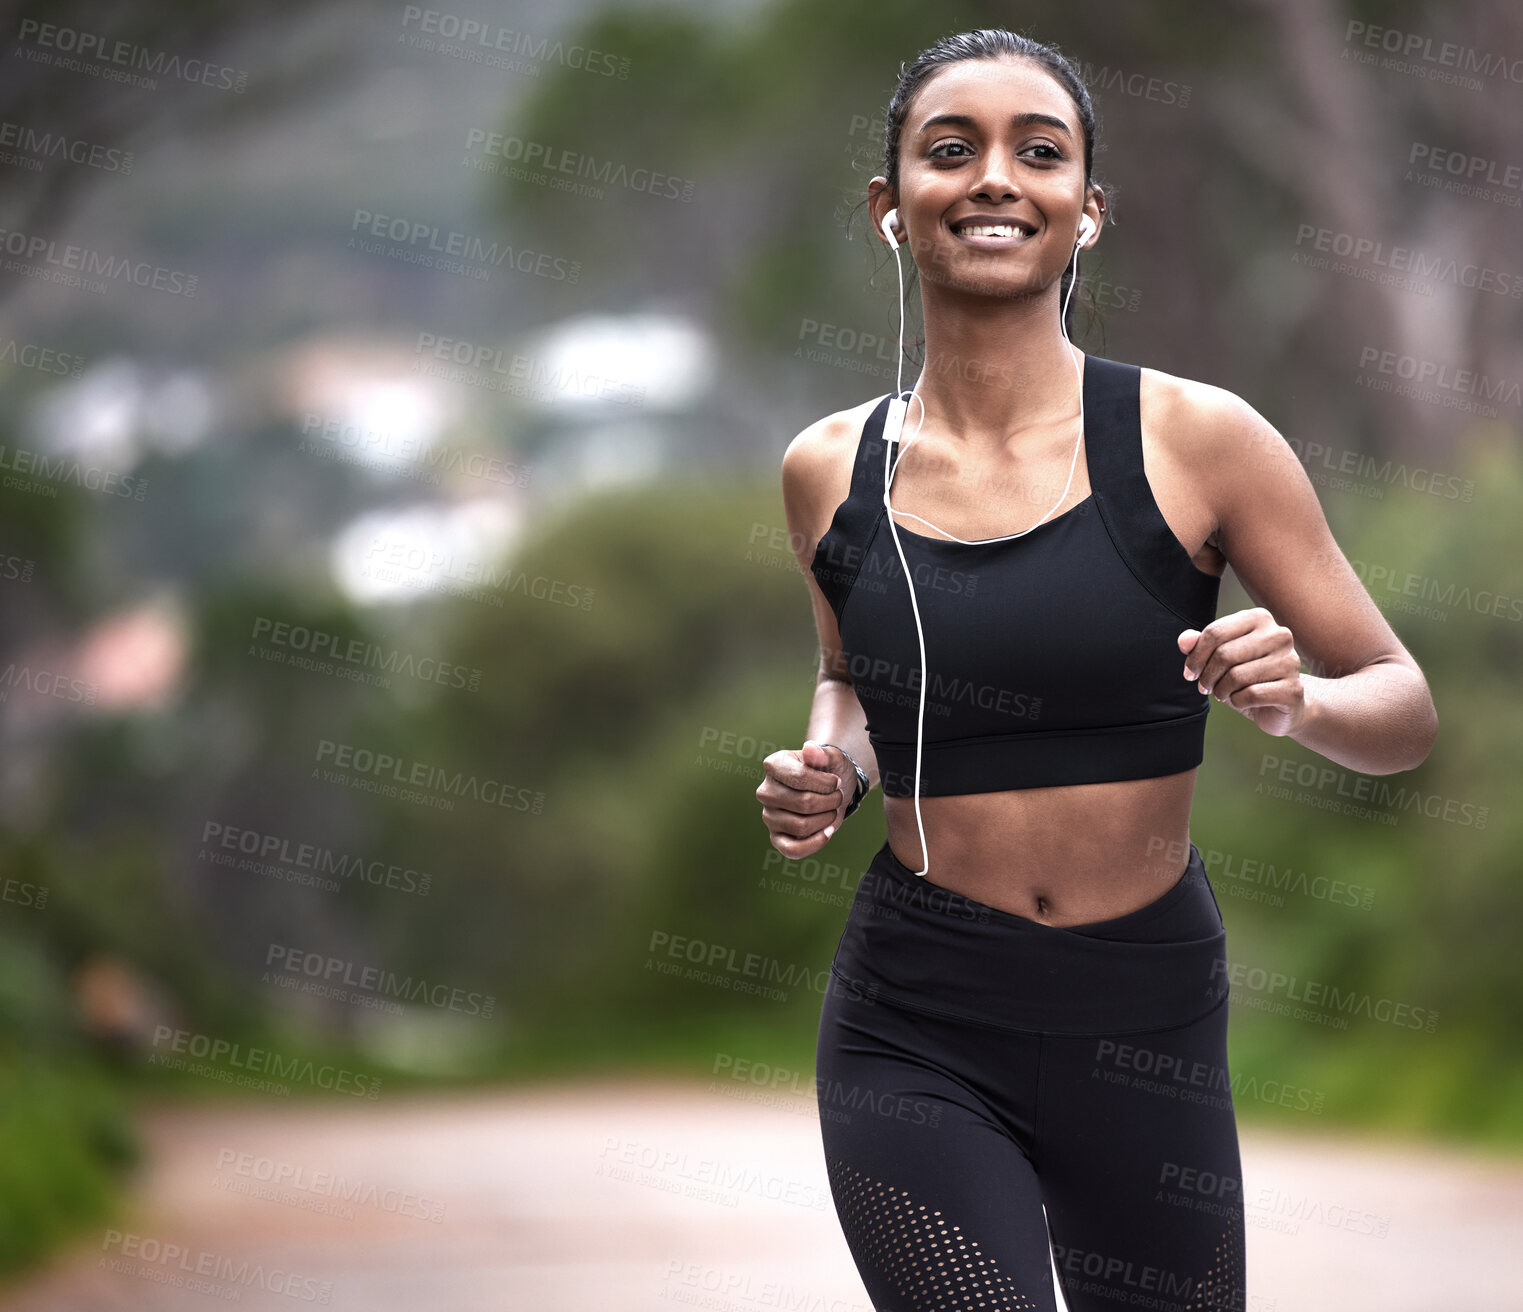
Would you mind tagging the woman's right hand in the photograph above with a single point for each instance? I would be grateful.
(804, 796)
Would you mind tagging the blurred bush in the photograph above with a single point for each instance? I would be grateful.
(65, 1134)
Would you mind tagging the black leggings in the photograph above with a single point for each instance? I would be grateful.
(999, 1097)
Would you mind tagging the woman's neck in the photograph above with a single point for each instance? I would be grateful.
(994, 368)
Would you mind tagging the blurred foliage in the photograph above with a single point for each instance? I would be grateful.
(643, 721)
(65, 1140)
(65, 1135)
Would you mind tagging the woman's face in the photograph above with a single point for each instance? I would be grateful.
(990, 142)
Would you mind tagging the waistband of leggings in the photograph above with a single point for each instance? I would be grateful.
(918, 945)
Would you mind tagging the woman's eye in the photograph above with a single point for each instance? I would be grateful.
(941, 151)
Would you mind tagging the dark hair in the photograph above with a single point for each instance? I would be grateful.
(987, 43)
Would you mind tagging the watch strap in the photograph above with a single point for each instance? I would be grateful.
(863, 783)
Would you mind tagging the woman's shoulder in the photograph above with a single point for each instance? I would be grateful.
(1208, 447)
(1187, 400)
(817, 467)
(835, 429)
(1196, 421)
(818, 460)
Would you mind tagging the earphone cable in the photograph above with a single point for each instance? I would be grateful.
(897, 411)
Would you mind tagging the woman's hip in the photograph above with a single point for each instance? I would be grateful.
(914, 944)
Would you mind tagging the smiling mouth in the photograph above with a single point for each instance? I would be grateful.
(984, 231)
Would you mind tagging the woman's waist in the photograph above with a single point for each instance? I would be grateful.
(1060, 854)
(918, 944)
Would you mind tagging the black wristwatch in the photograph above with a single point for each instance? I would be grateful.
(863, 783)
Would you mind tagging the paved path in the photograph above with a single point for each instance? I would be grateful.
(642, 1195)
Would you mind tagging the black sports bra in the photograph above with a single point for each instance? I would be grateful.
(1052, 657)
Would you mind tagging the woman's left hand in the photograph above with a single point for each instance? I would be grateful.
(1249, 662)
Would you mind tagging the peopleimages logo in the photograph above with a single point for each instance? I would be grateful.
(535, 156)
(1364, 788)
(105, 56)
(1318, 1000)
(32, 471)
(203, 1270)
(1457, 164)
(84, 266)
(358, 654)
(1445, 55)
(1143, 86)
(1416, 369)
(395, 776)
(486, 44)
(336, 971)
(252, 1067)
(426, 244)
(710, 1178)
(44, 359)
(242, 1172)
(1376, 261)
(253, 849)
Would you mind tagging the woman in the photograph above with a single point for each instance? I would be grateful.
(1022, 1057)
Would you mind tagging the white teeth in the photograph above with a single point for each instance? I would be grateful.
(990, 230)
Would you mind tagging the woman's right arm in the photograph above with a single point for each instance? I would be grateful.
(806, 790)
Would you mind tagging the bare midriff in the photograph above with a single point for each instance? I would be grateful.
(1063, 856)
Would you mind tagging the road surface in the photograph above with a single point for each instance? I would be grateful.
(643, 1194)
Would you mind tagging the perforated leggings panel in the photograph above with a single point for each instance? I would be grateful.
(945, 1139)
(915, 1251)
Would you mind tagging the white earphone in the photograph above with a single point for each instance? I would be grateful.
(893, 426)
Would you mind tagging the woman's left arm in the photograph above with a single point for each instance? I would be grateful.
(1368, 707)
